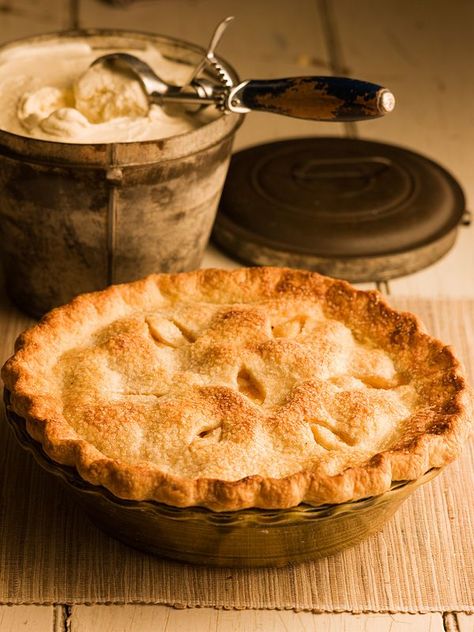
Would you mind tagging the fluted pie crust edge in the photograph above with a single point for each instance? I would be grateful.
(433, 438)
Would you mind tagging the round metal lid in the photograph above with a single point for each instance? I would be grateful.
(356, 209)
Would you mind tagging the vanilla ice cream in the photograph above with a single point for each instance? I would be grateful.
(50, 91)
(103, 94)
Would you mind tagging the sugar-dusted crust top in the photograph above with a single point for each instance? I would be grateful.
(260, 387)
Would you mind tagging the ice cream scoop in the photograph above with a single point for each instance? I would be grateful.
(315, 98)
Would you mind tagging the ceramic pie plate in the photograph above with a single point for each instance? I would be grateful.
(244, 538)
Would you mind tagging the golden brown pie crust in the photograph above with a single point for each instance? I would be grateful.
(260, 387)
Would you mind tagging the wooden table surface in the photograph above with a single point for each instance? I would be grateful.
(424, 51)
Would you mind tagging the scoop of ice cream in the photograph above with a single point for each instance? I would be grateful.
(65, 122)
(102, 94)
(35, 106)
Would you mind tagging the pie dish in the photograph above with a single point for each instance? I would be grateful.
(244, 538)
(252, 388)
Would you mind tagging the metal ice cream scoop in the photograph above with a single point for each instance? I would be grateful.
(315, 98)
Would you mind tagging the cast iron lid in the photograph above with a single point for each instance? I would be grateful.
(335, 198)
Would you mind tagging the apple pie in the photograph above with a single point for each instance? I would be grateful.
(260, 387)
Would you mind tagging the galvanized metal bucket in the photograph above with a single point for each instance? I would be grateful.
(77, 217)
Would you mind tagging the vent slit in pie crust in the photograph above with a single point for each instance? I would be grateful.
(231, 389)
(249, 386)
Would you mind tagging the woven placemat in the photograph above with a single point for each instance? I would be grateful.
(423, 561)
